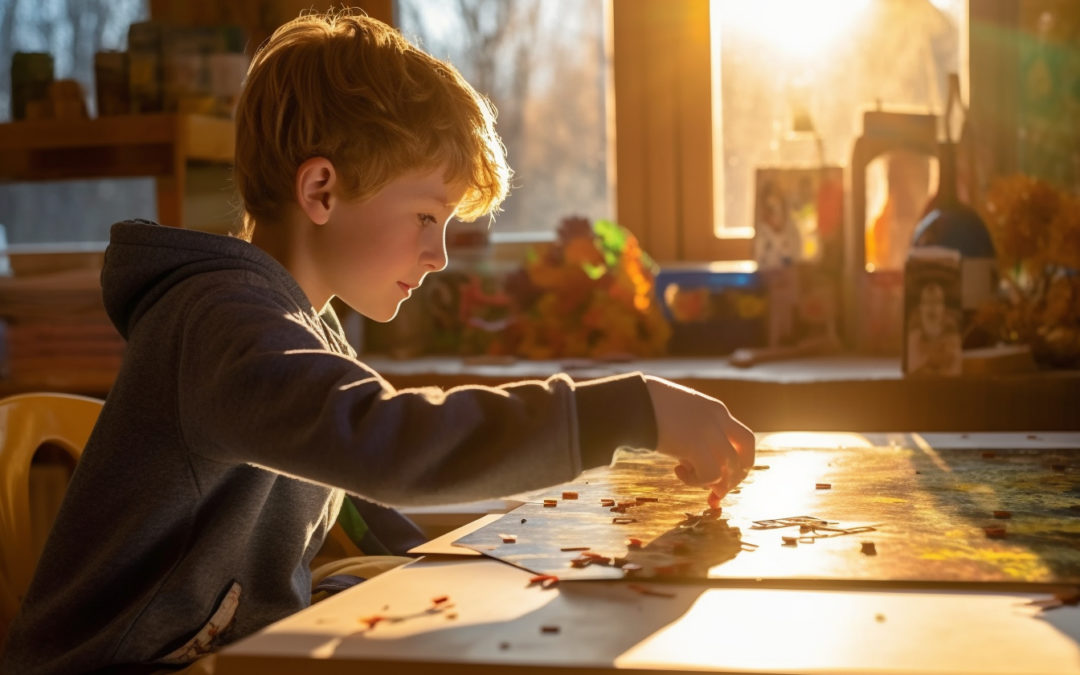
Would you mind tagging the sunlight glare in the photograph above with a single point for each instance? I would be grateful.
(800, 28)
(699, 638)
(816, 440)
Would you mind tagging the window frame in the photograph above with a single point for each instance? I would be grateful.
(661, 77)
(660, 119)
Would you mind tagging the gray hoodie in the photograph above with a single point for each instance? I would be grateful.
(219, 461)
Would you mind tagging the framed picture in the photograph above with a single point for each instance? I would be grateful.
(798, 247)
(932, 312)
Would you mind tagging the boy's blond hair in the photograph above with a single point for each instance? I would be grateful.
(349, 88)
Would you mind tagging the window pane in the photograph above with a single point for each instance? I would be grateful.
(786, 71)
(543, 64)
(70, 30)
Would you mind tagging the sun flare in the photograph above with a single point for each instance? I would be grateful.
(799, 27)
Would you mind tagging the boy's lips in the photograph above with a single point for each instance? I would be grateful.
(405, 288)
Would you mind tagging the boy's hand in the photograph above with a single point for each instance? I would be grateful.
(713, 448)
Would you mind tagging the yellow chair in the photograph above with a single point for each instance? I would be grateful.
(26, 422)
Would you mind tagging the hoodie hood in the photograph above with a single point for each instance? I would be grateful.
(144, 260)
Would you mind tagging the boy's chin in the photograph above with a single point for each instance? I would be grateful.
(383, 315)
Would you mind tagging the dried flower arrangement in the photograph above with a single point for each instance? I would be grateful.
(590, 293)
(1036, 231)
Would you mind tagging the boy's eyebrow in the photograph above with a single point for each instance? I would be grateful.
(439, 198)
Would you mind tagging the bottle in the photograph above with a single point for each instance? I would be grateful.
(950, 223)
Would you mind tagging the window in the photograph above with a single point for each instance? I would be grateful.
(71, 30)
(790, 79)
(543, 64)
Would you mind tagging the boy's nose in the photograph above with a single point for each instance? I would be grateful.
(436, 259)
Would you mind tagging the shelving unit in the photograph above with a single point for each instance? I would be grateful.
(166, 147)
(160, 146)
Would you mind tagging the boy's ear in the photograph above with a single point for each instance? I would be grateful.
(314, 188)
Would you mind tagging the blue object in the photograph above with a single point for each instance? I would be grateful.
(957, 227)
(722, 329)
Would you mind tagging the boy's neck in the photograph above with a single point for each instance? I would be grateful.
(287, 244)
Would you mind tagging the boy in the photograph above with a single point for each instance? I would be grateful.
(241, 414)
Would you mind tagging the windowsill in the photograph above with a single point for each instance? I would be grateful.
(833, 393)
(828, 393)
(803, 370)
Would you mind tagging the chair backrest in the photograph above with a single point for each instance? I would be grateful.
(26, 422)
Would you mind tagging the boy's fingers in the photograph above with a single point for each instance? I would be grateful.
(715, 497)
(696, 475)
(685, 473)
(742, 439)
(717, 490)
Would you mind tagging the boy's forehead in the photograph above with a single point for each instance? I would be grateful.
(433, 186)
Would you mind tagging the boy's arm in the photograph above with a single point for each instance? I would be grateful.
(261, 388)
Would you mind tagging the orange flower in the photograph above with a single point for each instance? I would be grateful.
(590, 293)
(582, 251)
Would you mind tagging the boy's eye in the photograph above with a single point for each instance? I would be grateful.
(427, 219)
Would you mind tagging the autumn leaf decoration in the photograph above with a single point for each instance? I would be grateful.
(590, 293)
(1036, 232)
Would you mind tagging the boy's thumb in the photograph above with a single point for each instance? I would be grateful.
(686, 473)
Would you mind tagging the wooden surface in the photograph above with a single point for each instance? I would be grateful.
(493, 619)
(663, 113)
(866, 394)
(158, 145)
(923, 508)
(606, 627)
(855, 393)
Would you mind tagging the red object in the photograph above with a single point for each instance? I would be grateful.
(569, 495)
(989, 454)
(550, 502)
(673, 569)
(1002, 514)
(508, 538)
(607, 502)
(830, 207)
(545, 580)
(642, 500)
(440, 600)
(994, 531)
(549, 629)
(824, 486)
(633, 542)
(372, 620)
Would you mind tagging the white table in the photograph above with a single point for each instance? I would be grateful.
(493, 623)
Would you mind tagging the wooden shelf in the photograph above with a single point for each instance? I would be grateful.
(837, 393)
(160, 146)
(844, 393)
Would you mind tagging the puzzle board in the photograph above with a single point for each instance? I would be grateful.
(928, 510)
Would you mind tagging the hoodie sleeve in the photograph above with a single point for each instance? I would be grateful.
(258, 385)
